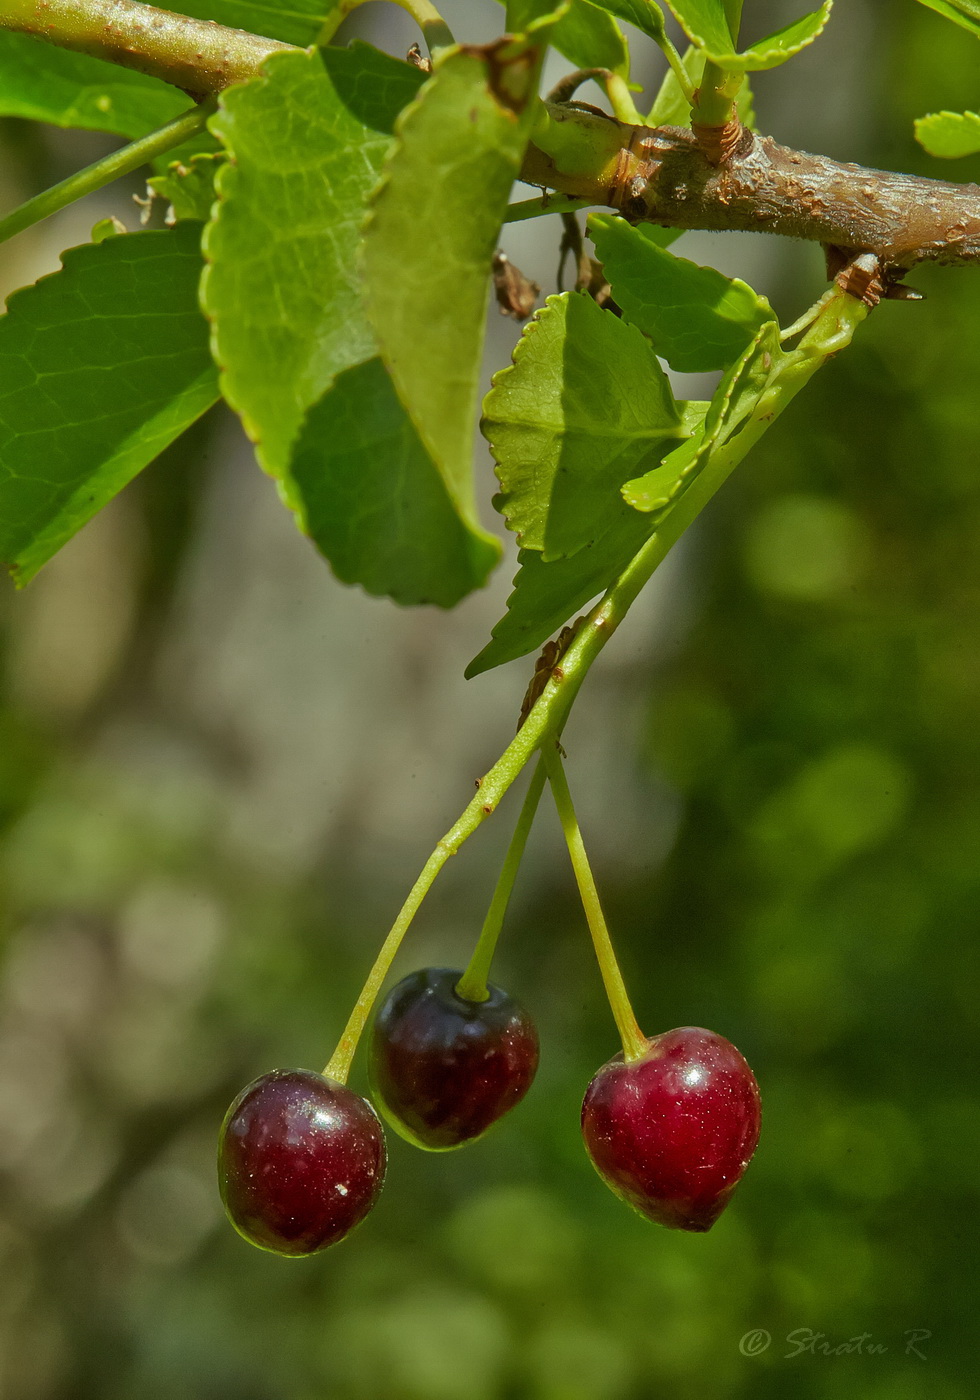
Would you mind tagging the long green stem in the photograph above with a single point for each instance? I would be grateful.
(634, 1041)
(831, 332)
(544, 721)
(472, 986)
(103, 172)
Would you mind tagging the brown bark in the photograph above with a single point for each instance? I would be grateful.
(664, 177)
(193, 54)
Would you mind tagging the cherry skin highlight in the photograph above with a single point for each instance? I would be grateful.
(444, 1069)
(301, 1161)
(671, 1133)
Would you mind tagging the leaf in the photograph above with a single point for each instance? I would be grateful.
(697, 319)
(583, 405)
(188, 189)
(706, 24)
(307, 139)
(645, 14)
(963, 12)
(46, 84)
(298, 22)
(731, 407)
(671, 107)
(431, 237)
(546, 595)
(586, 34)
(373, 501)
(949, 134)
(101, 366)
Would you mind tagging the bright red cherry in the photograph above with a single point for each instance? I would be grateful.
(444, 1069)
(301, 1161)
(671, 1133)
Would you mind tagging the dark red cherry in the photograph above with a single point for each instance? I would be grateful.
(301, 1161)
(672, 1132)
(444, 1069)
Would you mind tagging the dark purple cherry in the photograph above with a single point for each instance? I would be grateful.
(444, 1069)
(672, 1132)
(301, 1161)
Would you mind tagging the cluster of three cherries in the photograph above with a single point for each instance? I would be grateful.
(301, 1157)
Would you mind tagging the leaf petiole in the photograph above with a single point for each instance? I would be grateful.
(547, 204)
(103, 172)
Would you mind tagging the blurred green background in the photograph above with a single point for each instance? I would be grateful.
(219, 772)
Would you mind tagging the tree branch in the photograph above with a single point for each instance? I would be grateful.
(660, 175)
(663, 176)
(194, 55)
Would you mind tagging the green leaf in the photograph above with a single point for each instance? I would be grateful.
(645, 14)
(307, 139)
(188, 189)
(583, 405)
(671, 107)
(963, 12)
(101, 366)
(697, 319)
(731, 407)
(586, 34)
(546, 595)
(949, 134)
(429, 243)
(373, 501)
(706, 24)
(298, 22)
(46, 84)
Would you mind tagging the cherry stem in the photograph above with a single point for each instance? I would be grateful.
(338, 1066)
(472, 986)
(634, 1041)
(829, 334)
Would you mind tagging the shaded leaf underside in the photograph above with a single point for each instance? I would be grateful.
(308, 138)
(102, 365)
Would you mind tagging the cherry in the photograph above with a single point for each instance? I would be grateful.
(672, 1132)
(301, 1161)
(443, 1069)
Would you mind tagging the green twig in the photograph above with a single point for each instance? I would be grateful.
(103, 172)
(547, 204)
(634, 1041)
(472, 986)
(716, 95)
